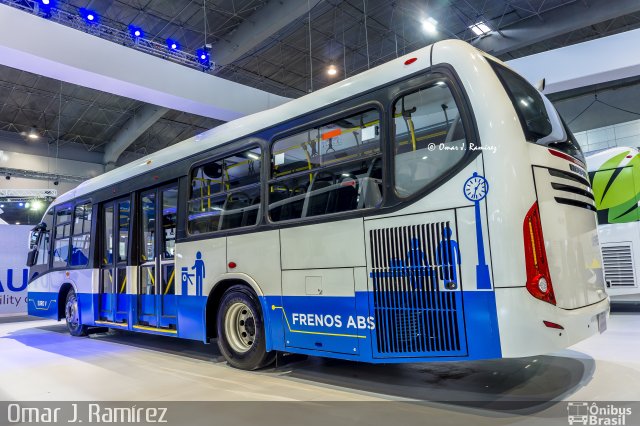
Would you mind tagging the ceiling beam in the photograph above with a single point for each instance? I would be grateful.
(583, 64)
(63, 53)
(144, 118)
(261, 25)
(561, 20)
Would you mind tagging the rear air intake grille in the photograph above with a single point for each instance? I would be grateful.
(569, 176)
(572, 189)
(618, 265)
(575, 203)
(413, 316)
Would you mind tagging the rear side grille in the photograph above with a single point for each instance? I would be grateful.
(563, 190)
(575, 203)
(413, 316)
(570, 176)
(572, 189)
(618, 265)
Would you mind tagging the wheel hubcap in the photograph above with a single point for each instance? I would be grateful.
(240, 327)
(71, 312)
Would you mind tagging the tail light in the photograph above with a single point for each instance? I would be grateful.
(538, 277)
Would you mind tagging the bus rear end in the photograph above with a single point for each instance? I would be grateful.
(561, 299)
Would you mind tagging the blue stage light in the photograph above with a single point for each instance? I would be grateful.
(89, 16)
(172, 44)
(136, 32)
(45, 7)
(204, 58)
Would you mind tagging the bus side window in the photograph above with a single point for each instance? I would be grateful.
(124, 219)
(45, 238)
(429, 137)
(62, 236)
(225, 193)
(81, 239)
(169, 221)
(331, 168)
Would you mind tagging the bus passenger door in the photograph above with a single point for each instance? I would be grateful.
(106, 300)
(156, 290)
(146, 304)
(113, 302)
(121, 237)
(167, 239)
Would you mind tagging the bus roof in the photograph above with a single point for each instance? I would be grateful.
(245, 126)
(597, 159)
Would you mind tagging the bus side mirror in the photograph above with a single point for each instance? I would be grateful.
(31, 257)
(34, 236)
(33, 239)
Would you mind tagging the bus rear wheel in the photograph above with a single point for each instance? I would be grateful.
(241, 334)
(72, 315)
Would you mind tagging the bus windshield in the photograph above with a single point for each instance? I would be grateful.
(540, 121)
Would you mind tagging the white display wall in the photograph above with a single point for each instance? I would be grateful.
(622, 134)
(13, 272)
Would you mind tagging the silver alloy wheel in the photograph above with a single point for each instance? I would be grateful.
(71, 312)
(240, 327)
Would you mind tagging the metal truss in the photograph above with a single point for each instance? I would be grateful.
(114, 32)
(32, 174)
(28, 193)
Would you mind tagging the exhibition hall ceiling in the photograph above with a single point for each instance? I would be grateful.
(74, 115)
(340, 33)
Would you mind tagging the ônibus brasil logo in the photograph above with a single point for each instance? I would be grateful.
(597, 414)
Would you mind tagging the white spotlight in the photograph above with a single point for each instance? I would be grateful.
(480, 29)
(430, 25)
(33, 134)
(332, 70)
(36, 205)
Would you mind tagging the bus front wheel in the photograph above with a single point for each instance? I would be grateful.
(241, 335)
(72, 315)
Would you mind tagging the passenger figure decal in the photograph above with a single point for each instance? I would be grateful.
(198, 276)
(200, 273)
(448, 259)
(421, 272)
(475, 189)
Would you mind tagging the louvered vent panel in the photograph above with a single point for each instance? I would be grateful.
(618, 265)
(413, 316)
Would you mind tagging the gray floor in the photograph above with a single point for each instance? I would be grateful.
(40, 361)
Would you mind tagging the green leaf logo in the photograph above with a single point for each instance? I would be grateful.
(617, 189)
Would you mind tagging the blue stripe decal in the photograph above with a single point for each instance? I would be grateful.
(44, 305)
(338, 327)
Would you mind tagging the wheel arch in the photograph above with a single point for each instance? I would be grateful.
(62, 297)
(215, 295)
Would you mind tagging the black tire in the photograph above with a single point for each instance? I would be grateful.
(72, 315)
(246, 352)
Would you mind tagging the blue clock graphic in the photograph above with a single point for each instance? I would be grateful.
(475, 189)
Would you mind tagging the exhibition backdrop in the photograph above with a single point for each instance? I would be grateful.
(13, 272)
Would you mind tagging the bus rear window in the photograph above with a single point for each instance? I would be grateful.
(540, 121)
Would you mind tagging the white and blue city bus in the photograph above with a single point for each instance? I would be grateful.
(433, 208)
